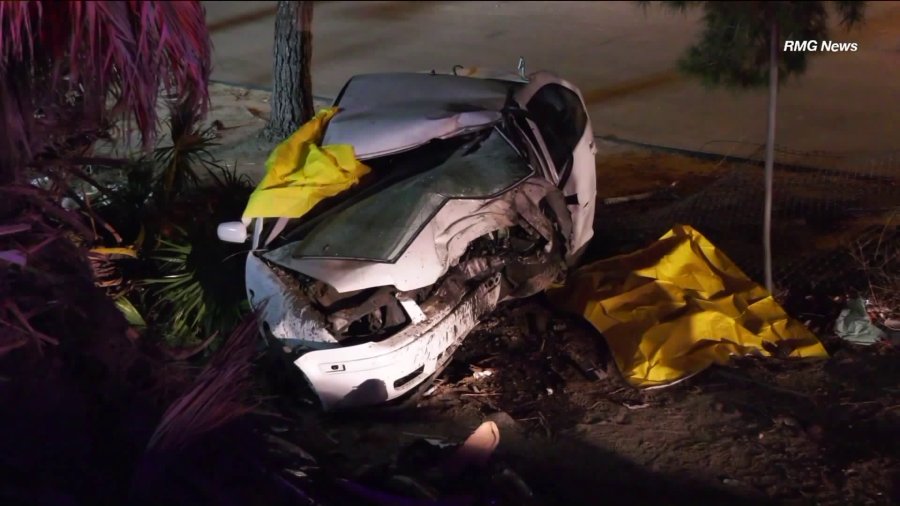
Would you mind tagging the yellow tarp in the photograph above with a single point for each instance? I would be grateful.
(679, 306)
(300, 173)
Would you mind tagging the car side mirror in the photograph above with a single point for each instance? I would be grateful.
(232, 231)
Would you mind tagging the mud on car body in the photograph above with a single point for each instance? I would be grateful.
(482, 190)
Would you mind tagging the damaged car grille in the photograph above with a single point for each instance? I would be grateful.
(376, 313)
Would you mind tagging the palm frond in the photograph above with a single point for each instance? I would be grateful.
(218, 395)
(60, 61)
(187, 291)
(131, 313)
(181, 164)
(851, 12)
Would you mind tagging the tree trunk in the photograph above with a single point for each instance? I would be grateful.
(292, 103)
(770, 155)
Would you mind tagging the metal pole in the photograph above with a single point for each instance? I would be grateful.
(770, 154)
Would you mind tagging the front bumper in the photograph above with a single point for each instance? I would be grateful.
(374, 372)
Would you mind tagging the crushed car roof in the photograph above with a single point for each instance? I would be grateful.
(384, 114)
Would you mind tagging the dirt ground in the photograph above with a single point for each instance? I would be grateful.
(758, 431)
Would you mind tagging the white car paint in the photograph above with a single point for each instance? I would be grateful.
(583, 180)
(283, 312)
(429, 256)
(365, 374)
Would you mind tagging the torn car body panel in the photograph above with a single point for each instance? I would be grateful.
(439, 245)
(475, 196)
(571, 150)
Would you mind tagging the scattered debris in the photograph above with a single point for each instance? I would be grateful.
(476, 450)
(892, 328)
(584, 355)
(786, 421)
(854, 324)
(665, 192)
(479, 373)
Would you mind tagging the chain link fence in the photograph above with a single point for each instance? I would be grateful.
(822, 203)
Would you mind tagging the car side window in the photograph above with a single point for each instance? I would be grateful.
(561, 119)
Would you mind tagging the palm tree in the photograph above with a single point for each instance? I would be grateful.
(68, 68)
(292, 103)
(68, 72)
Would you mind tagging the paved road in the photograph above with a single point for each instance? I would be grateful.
(621, 56)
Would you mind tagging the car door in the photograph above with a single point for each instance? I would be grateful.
(558, 112)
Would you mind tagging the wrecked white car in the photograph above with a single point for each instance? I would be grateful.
(481, 190)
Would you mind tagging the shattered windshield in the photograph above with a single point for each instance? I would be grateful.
(382, 223)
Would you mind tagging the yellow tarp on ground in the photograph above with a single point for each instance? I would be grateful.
(679, 306)
(300, 173)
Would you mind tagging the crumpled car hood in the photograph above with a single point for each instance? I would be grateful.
(379, 227)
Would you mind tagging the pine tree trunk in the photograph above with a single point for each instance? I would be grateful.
(770, 155)
(292, 103)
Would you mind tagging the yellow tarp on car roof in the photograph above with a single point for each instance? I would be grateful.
(672, 309)
(300, 173)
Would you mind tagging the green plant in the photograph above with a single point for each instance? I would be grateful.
(196, 282)
(179, 164)
(68, 72)
(60, 62)
(91, 424)
(733, 49)
(186, 283)
(188, 300)
(178, 294)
